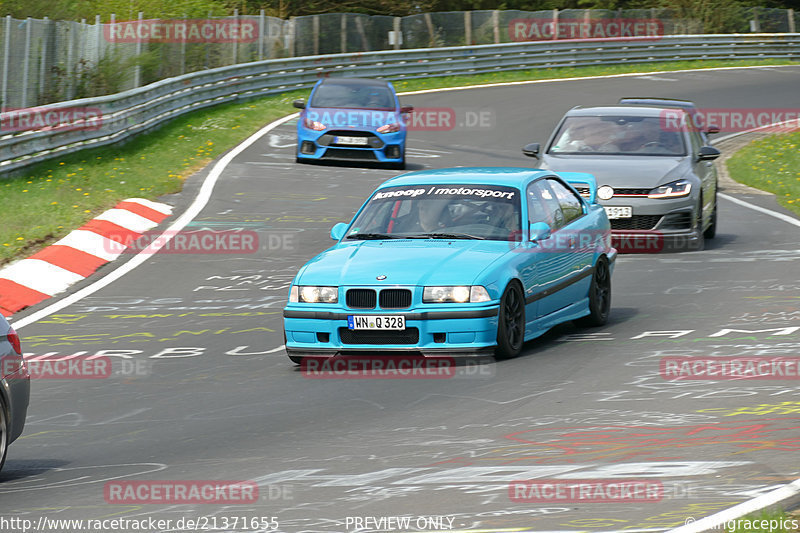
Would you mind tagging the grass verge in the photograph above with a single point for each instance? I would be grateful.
(52, 198)
(771, 164)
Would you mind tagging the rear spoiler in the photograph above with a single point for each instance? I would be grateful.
(585, 184)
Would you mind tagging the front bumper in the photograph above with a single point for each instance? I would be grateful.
(315, 331)
(321, 145)
(656, 225)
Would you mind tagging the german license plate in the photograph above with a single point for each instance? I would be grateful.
(354, 141)
(397, 322)
(618, 212)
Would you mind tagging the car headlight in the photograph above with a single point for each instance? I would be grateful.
(674, 189)
(313, 125)
(455, 294)
(313, 294)
(389, 128)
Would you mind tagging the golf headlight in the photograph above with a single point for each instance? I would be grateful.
(312, 294)
(389, 128)
(674, 189)
(313, 125)
(455, 294)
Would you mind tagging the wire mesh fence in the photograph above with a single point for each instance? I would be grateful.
(46, 61)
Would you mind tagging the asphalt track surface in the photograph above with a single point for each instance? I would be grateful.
(214, 397)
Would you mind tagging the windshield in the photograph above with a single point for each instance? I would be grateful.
(617, 135)
(448, 211)
(349, 96)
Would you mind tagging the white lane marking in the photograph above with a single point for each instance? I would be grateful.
(155, 206)
(770, 212)
(127, 219)
(656, 78)
(790, 490)
(203, 196)
(40, 276)
(92, 243)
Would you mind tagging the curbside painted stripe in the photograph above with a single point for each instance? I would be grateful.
(52, 270)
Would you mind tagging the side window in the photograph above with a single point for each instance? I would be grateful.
(543, 205)
(571, 205)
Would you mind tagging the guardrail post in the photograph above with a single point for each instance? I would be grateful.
(343, 32)
(431, 31)
(235, 41)
(496, 26)
(98, 31)
(70, 59)
(755, 25)
(137, 70)
(397, 37)
(790, 15)
(292, 35)
(6, 51)
(555, 24)
(43, 58)
(315, 31)
(26, 65)
(261, 27)
(183, 49)
(468, 28)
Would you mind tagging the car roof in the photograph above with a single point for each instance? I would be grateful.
(655, 101)
(355, 82)
(505, 176)
(619, 110)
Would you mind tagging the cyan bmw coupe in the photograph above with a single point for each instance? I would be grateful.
(456, 261)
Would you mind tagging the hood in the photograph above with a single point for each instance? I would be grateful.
(403, 262)
(356, 118)
(623, 171)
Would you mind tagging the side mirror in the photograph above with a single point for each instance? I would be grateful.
(532, 150)
(337, 231)
(707, 153)
(299, 104)
(539, 231)
(407, 109)
(712, 129)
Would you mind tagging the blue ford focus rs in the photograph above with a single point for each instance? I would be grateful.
(456, 261)
(352, 119)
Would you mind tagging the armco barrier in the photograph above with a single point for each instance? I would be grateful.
(129, 113)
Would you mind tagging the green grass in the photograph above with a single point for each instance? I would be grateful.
(771, 164)
(50, 199)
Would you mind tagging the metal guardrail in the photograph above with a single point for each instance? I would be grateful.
(123, 115)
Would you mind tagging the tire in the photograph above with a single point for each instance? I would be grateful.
(511, 322)
(700, 243)
(599, 296)
(5, 430)
(711, 231)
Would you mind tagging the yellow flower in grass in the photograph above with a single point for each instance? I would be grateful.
(53, 203)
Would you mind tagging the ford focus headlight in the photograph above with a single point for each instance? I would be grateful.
(675, 189)
(455, 294)
(313, 294)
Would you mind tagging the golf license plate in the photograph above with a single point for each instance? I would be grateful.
(618, 212)
(353, 141)
(397, 322)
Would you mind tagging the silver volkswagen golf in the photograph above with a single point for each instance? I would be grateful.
(656, 177)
